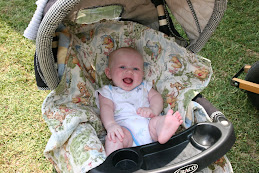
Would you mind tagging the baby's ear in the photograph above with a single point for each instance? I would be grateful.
(107, 72)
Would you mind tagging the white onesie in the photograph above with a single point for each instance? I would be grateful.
(126, 104)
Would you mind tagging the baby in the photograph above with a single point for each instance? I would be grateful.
(130, 109)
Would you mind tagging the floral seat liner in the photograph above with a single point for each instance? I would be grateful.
(76, 142)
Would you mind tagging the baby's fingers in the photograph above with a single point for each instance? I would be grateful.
(119, 133)
(145, 113)
(111, 137)
(152, 115)
(139, 111)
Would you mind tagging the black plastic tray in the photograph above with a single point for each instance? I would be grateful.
(189, 151)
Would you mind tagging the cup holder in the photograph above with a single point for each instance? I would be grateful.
(126, 160)
(206, 135)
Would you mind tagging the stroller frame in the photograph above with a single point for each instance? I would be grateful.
(212, 140)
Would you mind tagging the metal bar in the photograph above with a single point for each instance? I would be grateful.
(239, 72)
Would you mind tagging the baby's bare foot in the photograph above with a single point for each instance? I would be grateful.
(169, 125)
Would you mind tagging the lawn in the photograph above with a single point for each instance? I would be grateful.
(24, 134)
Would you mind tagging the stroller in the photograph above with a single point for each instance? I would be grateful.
(73, 41)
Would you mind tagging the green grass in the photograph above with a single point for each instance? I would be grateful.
(24, 134)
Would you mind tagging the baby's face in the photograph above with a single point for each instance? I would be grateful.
(126, 70)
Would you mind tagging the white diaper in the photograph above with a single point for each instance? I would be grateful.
(138, 127)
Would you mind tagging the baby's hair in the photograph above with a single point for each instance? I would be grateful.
(113, 53)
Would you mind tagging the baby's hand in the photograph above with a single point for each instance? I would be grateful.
(145, 112)
(114, 130)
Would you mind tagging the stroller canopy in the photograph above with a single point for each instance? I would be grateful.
(198, 24)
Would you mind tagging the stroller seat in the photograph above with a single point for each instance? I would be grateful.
(77, 135)
(70, 109)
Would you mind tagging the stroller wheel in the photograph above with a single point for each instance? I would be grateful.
(253, 76)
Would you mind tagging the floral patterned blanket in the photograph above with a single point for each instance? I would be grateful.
(76, 142)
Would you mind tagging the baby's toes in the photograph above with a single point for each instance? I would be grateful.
(170, 112)
(178, 115)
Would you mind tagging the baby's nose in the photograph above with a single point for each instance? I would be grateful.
(129, 70)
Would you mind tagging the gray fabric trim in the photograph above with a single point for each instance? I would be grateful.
(47, 28)
(179, 40)
(40, 74)
(43, 88)
(217, 14)
(194, 16)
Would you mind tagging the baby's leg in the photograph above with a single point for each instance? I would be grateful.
(111, 146)
(162, 128)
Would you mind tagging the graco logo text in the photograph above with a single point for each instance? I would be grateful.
(187, 169)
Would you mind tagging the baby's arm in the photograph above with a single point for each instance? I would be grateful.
(155, 105)
(107, 116)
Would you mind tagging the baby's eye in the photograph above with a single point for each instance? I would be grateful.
(122, 67)
(136, 69)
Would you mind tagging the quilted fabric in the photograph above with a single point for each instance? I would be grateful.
(76, 143)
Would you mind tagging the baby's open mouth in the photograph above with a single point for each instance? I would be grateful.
(128, 80)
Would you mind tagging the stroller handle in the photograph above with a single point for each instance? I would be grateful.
(212, 111)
